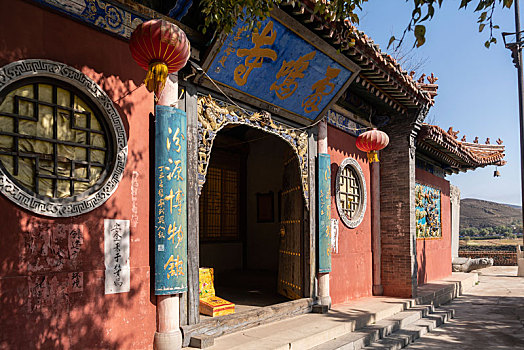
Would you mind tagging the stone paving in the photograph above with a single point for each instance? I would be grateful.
(488, 316)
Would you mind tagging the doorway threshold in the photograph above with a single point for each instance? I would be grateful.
(203, 333)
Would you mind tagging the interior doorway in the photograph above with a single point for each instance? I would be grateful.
(251, 219)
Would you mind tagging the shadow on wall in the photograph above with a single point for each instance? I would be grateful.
(422, 275)
(52, 270)
(52, 290)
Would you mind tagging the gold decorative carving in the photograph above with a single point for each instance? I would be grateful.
(213, 115)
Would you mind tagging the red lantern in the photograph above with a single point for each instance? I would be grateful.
(372, 141)
(160, 47)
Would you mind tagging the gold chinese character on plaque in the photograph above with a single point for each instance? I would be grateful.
(175, 200)
(321, 88)
(175, 232)
(177, 170)
(174, 266)
(255, 56)
(291, 71)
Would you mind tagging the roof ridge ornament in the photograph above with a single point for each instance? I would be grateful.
(453, 133)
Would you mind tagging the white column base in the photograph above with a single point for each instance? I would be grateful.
(168, 341)
(520, 272)
(323, 289)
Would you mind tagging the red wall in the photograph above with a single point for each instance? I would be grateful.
(434, 255)
(351, 275)
(39, 309)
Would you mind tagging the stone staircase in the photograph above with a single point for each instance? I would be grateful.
(392, 333)
(367, 323)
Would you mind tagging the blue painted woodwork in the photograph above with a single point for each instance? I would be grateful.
(277, 66)
(324, 213)
(99, 13)
(344, 123)
(170, 201)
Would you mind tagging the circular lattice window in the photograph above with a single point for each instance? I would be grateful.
(351, 195)
(62, 143)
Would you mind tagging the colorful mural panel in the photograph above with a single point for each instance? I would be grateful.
(428, 212)
(275, 65)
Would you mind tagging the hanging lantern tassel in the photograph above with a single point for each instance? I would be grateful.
(156, 77)
(161, 48)
(372, 156)
(372, 141)
(496, 173)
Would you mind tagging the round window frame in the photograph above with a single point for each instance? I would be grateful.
(12, 76)
(359, 216)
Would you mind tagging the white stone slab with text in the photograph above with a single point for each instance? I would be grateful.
(116, 251)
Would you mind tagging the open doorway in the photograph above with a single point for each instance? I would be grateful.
(251, 219)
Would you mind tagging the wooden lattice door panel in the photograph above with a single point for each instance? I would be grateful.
(290, 257)
(220, 199)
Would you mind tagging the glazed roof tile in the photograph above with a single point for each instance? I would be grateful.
(457, 155)
(381, 74)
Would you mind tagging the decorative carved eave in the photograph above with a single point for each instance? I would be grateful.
(381, 74)
(456, 155)
(214, 115)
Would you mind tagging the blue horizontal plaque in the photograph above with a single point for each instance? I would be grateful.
(275, 65)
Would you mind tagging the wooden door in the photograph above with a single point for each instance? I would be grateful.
(290, 263)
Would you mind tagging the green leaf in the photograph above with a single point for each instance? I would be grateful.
(483, 16)
(480, 6)
(417, 12)
(420, 35)
(391, 41)
(481, 27)
(431, 12)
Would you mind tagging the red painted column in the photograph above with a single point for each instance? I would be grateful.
(168, 335)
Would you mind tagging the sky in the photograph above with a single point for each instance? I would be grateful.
(477, 92)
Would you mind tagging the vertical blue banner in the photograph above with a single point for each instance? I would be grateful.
(170, 201)
(324, 212)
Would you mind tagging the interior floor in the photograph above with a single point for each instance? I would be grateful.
(248, 290)
(240, 217)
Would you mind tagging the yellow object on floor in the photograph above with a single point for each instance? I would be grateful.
(210, 304)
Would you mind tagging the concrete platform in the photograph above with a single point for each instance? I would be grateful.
(311, 330)
(489, 316)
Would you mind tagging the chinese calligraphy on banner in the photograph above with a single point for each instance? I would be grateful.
(275, 65)
(170, 201)
(324, 213)
(116, 251)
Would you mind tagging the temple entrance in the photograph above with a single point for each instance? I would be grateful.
(251, 219)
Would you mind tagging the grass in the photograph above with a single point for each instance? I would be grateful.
(494, 242)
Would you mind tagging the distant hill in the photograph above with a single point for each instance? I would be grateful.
(480, 213)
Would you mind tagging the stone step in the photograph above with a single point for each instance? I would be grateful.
(306, 331)
(392, 332)
(408, 334)
(372, 321)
